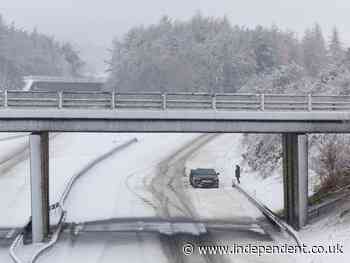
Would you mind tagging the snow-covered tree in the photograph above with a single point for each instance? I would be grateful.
(202, 54)
(73, 59)
(336, 50)
(30, 53)
(209, 54)
(263, 152)
(282, 79)
(314, 50)
(332, 163)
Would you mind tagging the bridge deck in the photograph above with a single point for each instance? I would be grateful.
(154, 112)
(172, 121)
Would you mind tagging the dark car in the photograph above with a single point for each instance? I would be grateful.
(204, 178)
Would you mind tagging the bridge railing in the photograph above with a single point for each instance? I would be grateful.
(336, 103)
(136, 101)
(188, 101)
(170, 101)
(84, 100)
(15, 98)
(286, 102)
(225, 101)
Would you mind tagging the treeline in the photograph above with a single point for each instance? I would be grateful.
(31, 53)
(202, 54)
(325, 70)
(210, 54)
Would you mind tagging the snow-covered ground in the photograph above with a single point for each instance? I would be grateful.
(116, 188)
(13, 179)
(225, 203)
(331, 230)
(99, 193)
(68, 154)
(223, 154)
(106, 248)
(113, 189)
(4, 253)
(106, 191)
(11, 144)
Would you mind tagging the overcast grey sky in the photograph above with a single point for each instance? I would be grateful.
(96, 22)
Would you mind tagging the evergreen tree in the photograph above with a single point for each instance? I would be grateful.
(314, 50)
(23, 53)
(336, 51)
(73, 59)
(202, 54)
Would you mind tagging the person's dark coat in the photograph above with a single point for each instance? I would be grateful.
(238, 173)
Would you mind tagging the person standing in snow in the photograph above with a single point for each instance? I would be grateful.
(238, 173)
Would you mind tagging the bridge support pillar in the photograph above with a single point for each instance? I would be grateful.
(295, 178)
(39, 177)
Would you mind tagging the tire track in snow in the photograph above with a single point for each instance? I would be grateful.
(144, 199)
(157, 195)
(167, 188)
(17, 156)
(162, 185)
(13, 137)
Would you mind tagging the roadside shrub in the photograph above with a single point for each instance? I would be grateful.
(332, 163)
(262, 152)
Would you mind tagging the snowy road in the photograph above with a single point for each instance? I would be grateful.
(15, 180)
(178, 199)
(148, 179)
(108, 191)
(113, 189)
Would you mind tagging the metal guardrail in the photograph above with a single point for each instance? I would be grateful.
(53, 240)
(169, 101)
(166, 226)
(269, 214)
(18, 241)
(327, 205)
(60, 205)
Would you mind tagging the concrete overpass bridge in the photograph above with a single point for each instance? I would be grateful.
(180, 112)
(291, 115)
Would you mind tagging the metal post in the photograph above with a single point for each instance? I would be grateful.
(164, 98)
(295, 178)
(5, 98)
(213, 102)
(262, 102)
(309, 102)
(113, 100)
(39, 176)
(60, 99)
